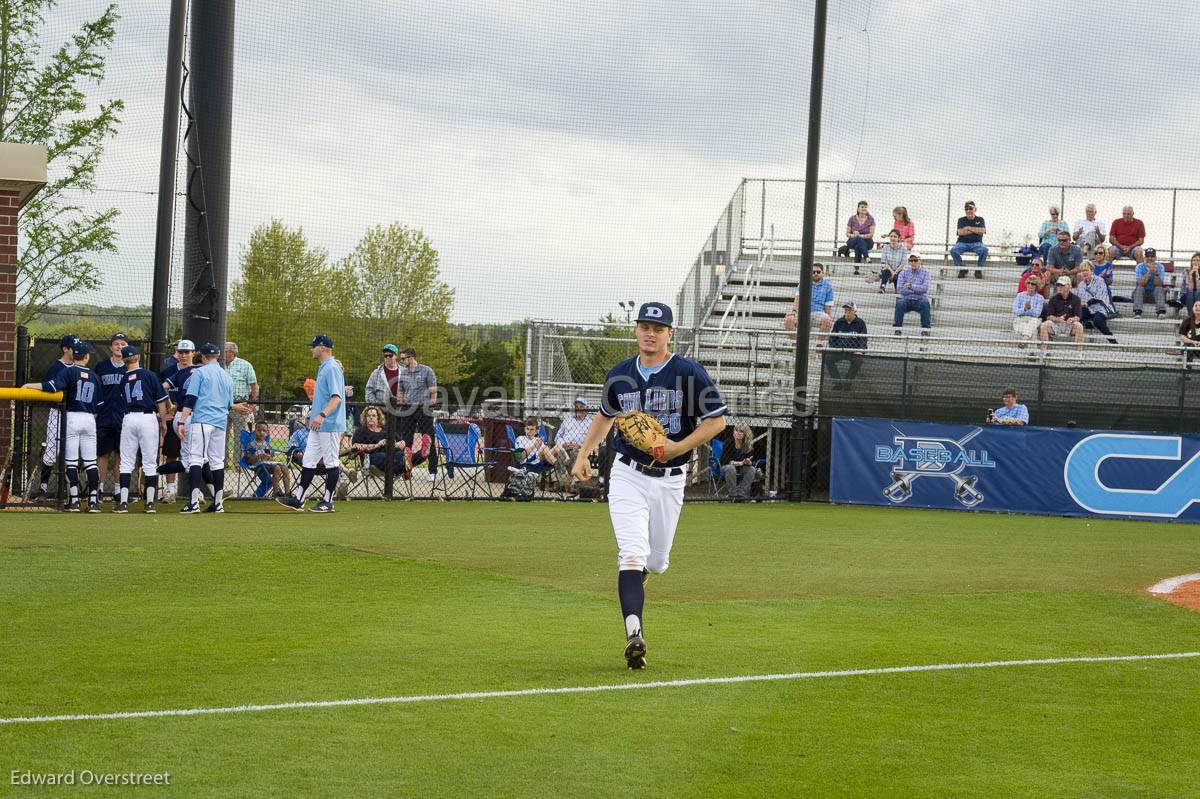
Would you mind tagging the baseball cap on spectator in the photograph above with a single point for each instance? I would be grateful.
(185, 345)
(67, 341)
(128, 351)
(321, 340)
(581, 401)
(209, 349)
(119, 337)
(1151, 252)
(80, 348)
(1063, 280)
(849, 304)
(392, 348)
(914, 256)
(658, 313)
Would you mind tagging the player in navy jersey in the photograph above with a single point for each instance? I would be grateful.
(108, 421)
(175, 377)
(645, 496)
(145, 409)
(53, 424)
(83, 396)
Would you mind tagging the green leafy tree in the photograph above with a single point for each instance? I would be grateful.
(388, 289)
(270, 317)
(43, 101)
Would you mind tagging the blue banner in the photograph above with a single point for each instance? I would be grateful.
(1061, 472)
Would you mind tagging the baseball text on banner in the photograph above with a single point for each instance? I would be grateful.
(1015, 469)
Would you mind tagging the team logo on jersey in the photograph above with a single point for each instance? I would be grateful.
(914, 457)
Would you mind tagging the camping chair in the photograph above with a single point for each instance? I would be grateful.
(545, 471)
(462, 453)
(715, 483)
(264, 481)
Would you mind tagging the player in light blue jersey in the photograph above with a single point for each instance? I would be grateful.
(327, 423)
(202, 428)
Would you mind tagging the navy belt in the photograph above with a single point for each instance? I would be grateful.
(651, 471)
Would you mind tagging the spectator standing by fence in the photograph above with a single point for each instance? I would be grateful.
(418, 394)
(971, 230)
(383, 385)
(245, 394)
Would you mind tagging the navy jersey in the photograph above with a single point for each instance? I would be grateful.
(678, 392)
(57, 367)
(81, 389)
(178, 381)
(141, 391)
(110, 379)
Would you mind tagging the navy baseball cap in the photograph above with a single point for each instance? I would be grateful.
(1151, 252)
(209, 349)
(321, 340)
(657, 312)
(128, 351)
(119, 337)
(80, 348)
(68, 341)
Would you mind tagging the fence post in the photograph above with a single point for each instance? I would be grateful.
(762, 214)
(1062, 204)
(389, 448)
(1174, 199)
(837, 211)
(946, 245)
(20, 423)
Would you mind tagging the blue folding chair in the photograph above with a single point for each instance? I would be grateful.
(715, 483)
(462, 453)
(264, 480)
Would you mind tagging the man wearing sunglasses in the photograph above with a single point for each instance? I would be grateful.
(383, 386)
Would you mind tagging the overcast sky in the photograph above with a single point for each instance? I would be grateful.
(562, 156)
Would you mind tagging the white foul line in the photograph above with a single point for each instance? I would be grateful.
(590, 689)
(1169, 585)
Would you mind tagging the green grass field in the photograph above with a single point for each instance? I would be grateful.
(262, 605)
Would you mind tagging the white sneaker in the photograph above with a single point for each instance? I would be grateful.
(433, 477)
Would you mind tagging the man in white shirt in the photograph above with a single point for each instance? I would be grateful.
(1089, 231)
(571, 433)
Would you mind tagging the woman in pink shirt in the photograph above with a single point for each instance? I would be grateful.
(904, 226)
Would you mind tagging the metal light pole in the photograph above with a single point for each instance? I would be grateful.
(799, 482)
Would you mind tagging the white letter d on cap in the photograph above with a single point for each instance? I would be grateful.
(653, 311)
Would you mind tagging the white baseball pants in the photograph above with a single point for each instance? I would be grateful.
(203, 444)
(322, 448)
(139, 431)
(50, 453)
(644, 512)
(81, 438)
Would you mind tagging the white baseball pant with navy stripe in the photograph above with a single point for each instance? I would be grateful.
(50, 453)
(81, 438)
(644, 512)
(203, 443)
(139, 431)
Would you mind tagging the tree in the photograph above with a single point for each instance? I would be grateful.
(272, 303)
(387, 289)
(44, 102)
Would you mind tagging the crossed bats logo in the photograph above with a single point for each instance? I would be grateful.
(914, 457)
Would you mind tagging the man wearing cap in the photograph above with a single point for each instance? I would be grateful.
(572, 432)
(645, 495)
(1150, 279)
(1061, 314)
(174, 382)
(111, 371)
(383, 385)
(327, 424)
(971, 229)
(66, 358)
(201, 427)
(144, 423)
(912, 288)
(847, 342)
(82, 394)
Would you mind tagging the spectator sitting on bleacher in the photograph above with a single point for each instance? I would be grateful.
(538, 455)
(971, 229)
(1048, 233)
(1191, 283)
(821, 309)
(1027, 310)
(260, 457)
(1150, 278)
(904, 225)
(1103, 267)
(847, 342)
(913, 287)
(1189, 332)
(1036, 272)
(1065, 257)
(1095, 305)
(1126, 235)
(892, 257)
(860, 234)
(1089, 232)
(738, 467)
(1061, 314)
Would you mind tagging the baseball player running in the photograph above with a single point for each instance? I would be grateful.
(201, 428)
(82, 391)
(645, 493)
(50, 452)
(142, 427)
(326, 425)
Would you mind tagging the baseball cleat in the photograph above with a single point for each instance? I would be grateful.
(150, 507)
(191, 507)
(635, 652)
(73, 506)
(322, 507)
(289, 501)
(93, 506)
(215, 508)
(122, 507)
